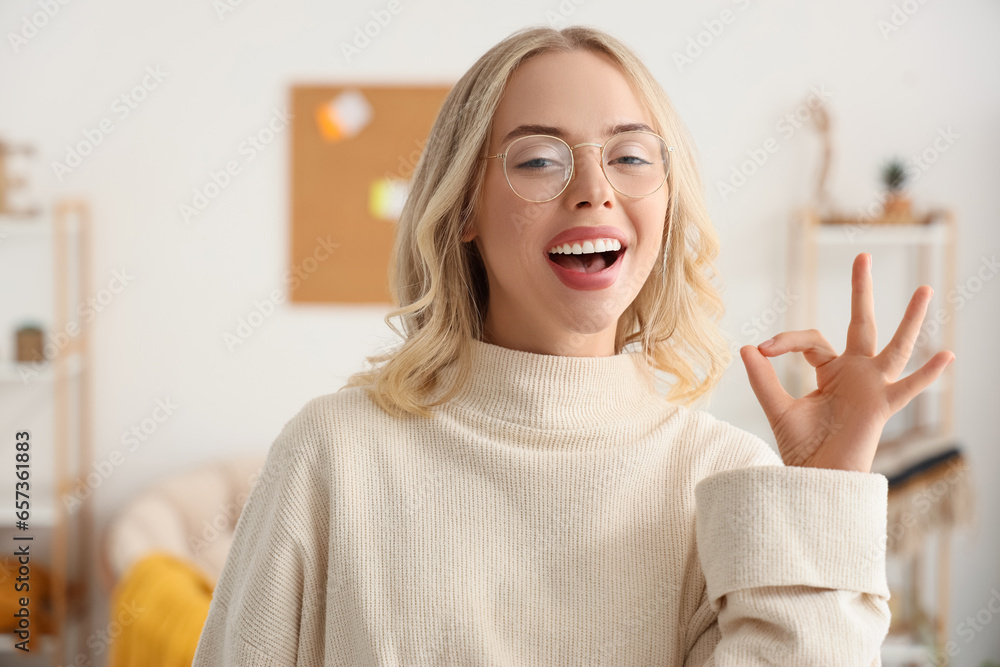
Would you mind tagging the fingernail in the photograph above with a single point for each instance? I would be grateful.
(766, 343)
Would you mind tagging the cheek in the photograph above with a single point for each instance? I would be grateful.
(500, 205)
(509, 220)
(649, 223)
(525, 219)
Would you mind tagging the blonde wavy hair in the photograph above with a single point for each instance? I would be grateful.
(440, 283)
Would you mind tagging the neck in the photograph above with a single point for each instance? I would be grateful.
(575, 345)
(508, 331)
(557, 401)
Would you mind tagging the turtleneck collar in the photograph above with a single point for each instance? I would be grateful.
(579, 396)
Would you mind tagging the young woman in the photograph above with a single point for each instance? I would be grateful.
(508, 486)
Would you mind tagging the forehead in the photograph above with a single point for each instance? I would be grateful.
(581, 92)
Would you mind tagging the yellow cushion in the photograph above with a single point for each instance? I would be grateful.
(159, 607)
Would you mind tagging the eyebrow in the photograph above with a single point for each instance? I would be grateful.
(525, 130)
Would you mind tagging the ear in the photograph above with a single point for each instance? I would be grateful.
(469, 233)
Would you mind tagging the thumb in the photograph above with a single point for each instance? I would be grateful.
(764, 381)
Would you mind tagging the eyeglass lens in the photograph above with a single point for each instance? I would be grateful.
(538, 167)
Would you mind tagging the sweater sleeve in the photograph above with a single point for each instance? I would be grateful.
(266, 598)
(794, 565)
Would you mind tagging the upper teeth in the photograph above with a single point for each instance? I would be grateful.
(599, 245)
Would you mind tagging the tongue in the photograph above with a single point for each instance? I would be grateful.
(591, 263)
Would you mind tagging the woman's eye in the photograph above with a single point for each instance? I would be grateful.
(630, 159)
(536, 163)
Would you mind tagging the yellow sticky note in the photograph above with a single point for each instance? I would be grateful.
(386, 197)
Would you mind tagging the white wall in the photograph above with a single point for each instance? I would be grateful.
(162, 336)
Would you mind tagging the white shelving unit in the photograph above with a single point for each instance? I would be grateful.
(62, 537)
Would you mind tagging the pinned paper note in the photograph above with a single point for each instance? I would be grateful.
(344, 116)
(386, 198)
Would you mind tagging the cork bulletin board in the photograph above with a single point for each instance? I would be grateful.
(353, 151)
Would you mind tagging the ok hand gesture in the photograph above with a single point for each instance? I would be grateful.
(839, 424)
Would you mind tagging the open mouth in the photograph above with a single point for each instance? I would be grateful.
(587, 262)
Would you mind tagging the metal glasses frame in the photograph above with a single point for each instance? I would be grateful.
(572, 169)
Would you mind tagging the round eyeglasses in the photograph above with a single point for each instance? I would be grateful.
(538, 167)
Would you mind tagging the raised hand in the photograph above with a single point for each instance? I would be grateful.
(839, 424)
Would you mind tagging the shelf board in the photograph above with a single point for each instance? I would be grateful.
(896, 454)
(923, 234)
(39, 226)
(10, 371)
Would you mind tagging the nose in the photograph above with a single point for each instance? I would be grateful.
(588, 184)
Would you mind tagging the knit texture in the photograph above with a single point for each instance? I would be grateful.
(559, 512)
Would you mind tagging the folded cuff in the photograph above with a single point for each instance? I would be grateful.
(789, 525)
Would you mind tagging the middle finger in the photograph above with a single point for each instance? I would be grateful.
(862, 336)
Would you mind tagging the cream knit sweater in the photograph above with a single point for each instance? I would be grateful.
(560, 512)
